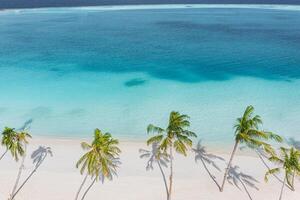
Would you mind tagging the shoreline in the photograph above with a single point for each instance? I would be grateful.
(287, 7)
(58, 178)
(214, 147)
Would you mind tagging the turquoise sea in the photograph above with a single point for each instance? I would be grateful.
(66, 71)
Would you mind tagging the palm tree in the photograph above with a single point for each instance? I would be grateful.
(289, 163)
(264, 155)
(22, 138)
(12, 143)
(101, 159)
(155, 155)
(175, 136)
(8, 137)
(247, 132)
(38, 157)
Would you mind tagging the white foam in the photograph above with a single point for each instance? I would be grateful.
(153, 7)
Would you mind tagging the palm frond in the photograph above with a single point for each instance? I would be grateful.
(271, 171)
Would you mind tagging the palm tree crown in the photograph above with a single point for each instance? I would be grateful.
(176, 134)
(101, 160)
(8, 136)
(247, 131)
(15, 141)
(289, 162)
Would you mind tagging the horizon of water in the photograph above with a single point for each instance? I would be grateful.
(68, 71)
(8, 4)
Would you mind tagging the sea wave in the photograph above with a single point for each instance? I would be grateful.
(151, 7)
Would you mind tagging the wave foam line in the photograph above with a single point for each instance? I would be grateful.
(151, 7)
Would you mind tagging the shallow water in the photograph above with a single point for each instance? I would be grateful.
(69, 71)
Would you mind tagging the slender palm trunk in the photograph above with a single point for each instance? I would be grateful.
(164, 177)
(26, 180)
(171, 172)
(211, 176)
(3, 154)
(264, 162)
(20, 172)
(229, 165)
(88, 189)
(281, 192)
(80, 188)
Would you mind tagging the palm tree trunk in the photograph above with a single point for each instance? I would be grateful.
(229, 165)
(20, 172)
(80, 188)
(171, 172)
(30, 175)
(3, 154)
(211, 176)
(164, 177)
(281, 192)
(88, 189)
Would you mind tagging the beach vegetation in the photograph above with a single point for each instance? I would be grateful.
(101, 160)
(248, 132)
(288, 162)
(174, 138)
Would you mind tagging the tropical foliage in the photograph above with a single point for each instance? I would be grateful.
(247, 131)
(175, 137)
(288, 163)
(101, 160)
(10, 142)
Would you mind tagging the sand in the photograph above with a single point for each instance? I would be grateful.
(58, 178)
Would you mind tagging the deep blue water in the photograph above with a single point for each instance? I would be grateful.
(67, 3)
(73, 70)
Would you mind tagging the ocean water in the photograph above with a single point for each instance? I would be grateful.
(68, 3)
(64, 72)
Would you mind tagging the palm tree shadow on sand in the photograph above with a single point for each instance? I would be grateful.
(38, 156)
(207, 158)
(236, 177)
(156, 156)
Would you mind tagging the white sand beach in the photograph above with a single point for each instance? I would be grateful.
(58, 178)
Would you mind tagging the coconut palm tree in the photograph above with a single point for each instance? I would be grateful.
(289, 163)
(13, 143)
(38, 157)
(175, 136)
(155, 155)
(247, 132)
(8, 138)
(101, 160)
(264, 156)
(22, 138)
